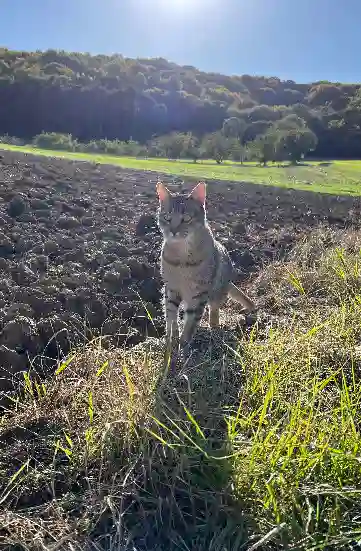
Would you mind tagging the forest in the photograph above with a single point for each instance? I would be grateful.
(99, 97)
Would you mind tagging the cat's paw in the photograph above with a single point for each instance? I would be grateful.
(171, 358)
(247, 319)
(252, 308)
(185, 350)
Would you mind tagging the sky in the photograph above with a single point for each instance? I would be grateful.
(305, 41)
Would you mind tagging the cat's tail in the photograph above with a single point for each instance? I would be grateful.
(239, 296)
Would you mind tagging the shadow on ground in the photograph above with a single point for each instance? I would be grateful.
(187, 500)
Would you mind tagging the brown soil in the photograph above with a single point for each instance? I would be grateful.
(79, 250)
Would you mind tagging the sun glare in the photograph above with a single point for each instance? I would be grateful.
(173, 3)
(180, 5)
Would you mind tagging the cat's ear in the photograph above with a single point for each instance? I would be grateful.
(199, 193)
(163, 192)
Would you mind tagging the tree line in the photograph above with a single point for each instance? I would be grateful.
(154, 101)
(291, 143)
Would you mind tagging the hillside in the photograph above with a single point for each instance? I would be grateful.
(93, 97)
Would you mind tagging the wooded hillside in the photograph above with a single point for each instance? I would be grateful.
(93, 97)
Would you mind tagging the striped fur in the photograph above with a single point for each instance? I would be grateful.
(196, 269)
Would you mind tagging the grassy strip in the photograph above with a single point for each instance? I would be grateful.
(337, 177)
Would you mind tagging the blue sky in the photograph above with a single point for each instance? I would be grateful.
(304, 40)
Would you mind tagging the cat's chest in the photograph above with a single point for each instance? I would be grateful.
(179, 250)
(187, 274)
(186, 280)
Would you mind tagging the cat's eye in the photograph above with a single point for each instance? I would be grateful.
(187, 218)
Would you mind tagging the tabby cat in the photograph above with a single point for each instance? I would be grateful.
(196, 269)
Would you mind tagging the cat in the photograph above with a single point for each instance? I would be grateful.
(196, 269)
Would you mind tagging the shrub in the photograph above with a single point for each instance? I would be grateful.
(53, 140)
(11, 140)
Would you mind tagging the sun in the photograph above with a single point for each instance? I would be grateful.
(177, 5)
(179, 11)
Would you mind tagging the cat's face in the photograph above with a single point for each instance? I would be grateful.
(179, 217)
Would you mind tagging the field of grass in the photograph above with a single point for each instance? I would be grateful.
(257, 447)
(336, 177)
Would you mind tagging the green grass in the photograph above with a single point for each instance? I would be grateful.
(257, 447)
(340, 177)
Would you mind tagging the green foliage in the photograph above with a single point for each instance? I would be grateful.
(172, 145)
(290, 140)
(154, 97)
(191, 147)
(355, 101)
(53, 140)
(237, 152)
(262, 113)
(216, 146)
(296, 143)
(265, 147)
(11, 140)
(336, 123)
(234, 127)
(289, 122)
(4, 68)
(66, 142)
(324, 93)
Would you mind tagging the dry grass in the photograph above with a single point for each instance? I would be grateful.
(255, 446)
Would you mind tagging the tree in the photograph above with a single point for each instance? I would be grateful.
(324, 93)
(52, 140)
(191, 149)
(173, 145)
(236, 150)
(290, 97)
(216, 146)
(255, 129)
(265, 147)
(140, 81)
(4, 68)
(290, 122)
(262, 113)
(297, 143)
(234, 128)
(355, 102)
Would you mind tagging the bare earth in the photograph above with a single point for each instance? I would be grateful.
(79, 250)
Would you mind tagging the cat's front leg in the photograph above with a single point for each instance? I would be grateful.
(193, 312)
(172, 301)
